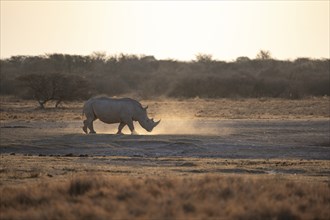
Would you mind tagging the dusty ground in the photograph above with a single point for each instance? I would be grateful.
(278, 140)
(194, 128)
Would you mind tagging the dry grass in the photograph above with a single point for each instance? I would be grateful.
(44, 187)
(198, 197)
(17, 109)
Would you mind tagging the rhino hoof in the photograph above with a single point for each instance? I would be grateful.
(134, 133)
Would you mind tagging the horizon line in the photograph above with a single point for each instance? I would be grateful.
(141, 55)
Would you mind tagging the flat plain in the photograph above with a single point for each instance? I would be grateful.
(208, 158)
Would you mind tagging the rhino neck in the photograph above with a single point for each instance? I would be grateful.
(142, 121)
(138, 117)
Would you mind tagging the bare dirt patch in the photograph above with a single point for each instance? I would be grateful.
(263, 139)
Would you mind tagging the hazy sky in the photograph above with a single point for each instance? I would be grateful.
(167, 29)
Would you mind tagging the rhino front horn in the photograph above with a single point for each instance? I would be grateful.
(156, 123)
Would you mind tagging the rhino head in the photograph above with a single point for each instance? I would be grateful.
(146, 122)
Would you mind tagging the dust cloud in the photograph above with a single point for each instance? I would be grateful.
(179, 118)
(173, 126)
(191, 127)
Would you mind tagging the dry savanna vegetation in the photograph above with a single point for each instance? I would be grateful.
(170, 197)
(35, 187)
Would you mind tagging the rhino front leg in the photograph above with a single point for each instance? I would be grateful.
(120, 127)
(131, 126)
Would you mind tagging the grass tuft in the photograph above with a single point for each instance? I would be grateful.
(80, 186)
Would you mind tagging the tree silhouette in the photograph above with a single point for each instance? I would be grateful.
(203, 58)
(264, 55)
(56, 86)
(144, 76)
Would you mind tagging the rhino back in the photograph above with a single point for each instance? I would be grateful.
(111, 110)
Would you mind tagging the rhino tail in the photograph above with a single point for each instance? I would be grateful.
(84, 113)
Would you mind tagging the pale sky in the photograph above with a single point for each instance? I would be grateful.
(166, 29)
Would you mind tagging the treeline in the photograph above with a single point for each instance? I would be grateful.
(146, 77)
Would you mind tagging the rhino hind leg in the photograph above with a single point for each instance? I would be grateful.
(88, 123)
(85, 126)
(91, 127)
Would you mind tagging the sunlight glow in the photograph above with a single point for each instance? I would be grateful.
(166, 29)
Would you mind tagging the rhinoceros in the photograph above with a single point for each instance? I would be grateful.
(123, 111)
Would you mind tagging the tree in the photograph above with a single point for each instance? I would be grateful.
(99, 56)
(204, 58)
(56, 86)
(242, 59)
(264, 55)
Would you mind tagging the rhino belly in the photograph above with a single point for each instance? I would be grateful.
(109, 119)
(108, 112)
